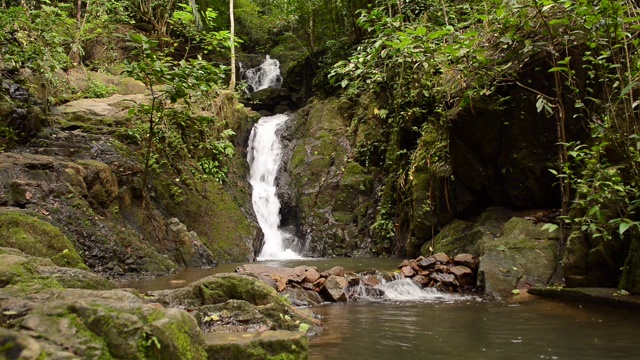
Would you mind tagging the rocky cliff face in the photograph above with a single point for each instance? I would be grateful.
(328, 199)
(76, 176)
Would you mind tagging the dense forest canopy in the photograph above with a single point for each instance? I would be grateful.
(423, 59)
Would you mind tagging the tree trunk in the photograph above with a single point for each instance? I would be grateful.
(232, 83)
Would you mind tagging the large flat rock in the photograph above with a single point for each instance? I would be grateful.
(596, 296)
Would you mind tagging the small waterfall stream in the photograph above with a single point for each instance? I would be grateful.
(264, 157)
(264, 76)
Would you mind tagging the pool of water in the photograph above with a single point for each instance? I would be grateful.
(473, 328)
(450, 326)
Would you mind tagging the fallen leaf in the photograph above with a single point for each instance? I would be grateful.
(44, 212)
(28, 195)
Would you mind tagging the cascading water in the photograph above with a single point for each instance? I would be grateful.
(264, 76)
(264, 158)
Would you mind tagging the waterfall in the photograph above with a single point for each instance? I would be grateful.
(264, 76)
(264, 157)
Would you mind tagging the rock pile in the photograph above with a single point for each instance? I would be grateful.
(442, 272)
(305, 284)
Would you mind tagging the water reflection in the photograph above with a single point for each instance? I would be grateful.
(479, 330)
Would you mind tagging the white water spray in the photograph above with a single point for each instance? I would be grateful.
(264, 76)
(264, 157)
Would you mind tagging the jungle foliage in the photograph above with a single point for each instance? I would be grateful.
(429, 57)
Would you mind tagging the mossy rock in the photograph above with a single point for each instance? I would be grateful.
(222, 287)
(15, 345)
(457, 237)
(37, 238)
(268, 345)
(105, 325)
(515, 261)
(218, 289)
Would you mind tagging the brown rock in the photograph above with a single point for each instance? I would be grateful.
(408, 271)
(464, 275)
(421, 280)
(311, 275)
(335, 271)
(333, 289)
(440, 268)
(414, 265)
(446, 279)
(320, 282)
(370, 280)
(427, 263)
(467, 260)
(442, 258)
(403, 264)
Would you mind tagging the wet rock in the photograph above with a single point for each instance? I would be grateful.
(467, 260)
(427, 263)
(446, 279)
(408, 271)
(370, 280)
(423, 281)
(311, 275)
(465, 276)
(442, 258)
(333, 289)
(414, 265)
(334, 271)
(441, 268)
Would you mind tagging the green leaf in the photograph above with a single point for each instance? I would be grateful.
(304, 327)
(549, 226)
(515, 292)
(624, 226)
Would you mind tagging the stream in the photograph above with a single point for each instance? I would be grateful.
(450, 326)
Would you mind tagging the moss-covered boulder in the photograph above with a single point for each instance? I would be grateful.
(85, 324)
(19, 268)
(217, 289)
(268, 345)
(461, 236)
(36, 237)
(523, 255)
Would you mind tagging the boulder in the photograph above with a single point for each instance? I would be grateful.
(467, 260)
(311, 275)
(441, 258)
(334, 271)
(25, 231)
(465, 276)
(515, 261)
(408, 272)
(261, 345)
(217, 289)
(333, 289)
(286, 275)
(89, 324)
(427, 263)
